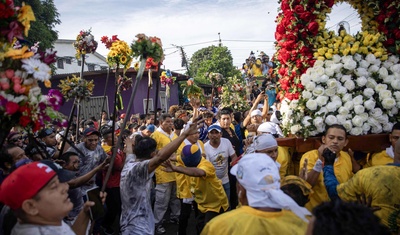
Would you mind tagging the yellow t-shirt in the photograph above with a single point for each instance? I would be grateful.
(106, 148)
(162, 140)
(283, 159)
(182, 180)
(377, 159)
(382, 184)
(343, 172)
(207, 190)
(247, 220)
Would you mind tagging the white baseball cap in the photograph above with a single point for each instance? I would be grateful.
(264, 141)
(259, 175)
(255, 113)
(268, 128)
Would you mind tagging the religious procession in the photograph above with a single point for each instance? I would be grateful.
(301, 141)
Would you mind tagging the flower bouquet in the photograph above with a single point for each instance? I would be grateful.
(191, 90)
(234, 94)
(76, 88)
(147, 47)
(120, 52)
(167, 79)
(84, 43)
(360, 92)
(217, 79)
(21, 68)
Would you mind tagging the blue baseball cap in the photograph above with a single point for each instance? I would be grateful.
(191, 155)
(151, 128)
(214, 127)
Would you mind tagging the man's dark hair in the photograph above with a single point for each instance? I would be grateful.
(337, 126)
(144, 147)
(133, 125)
(396, 126)
(237, 116)
(344, 218)
(223, 111)
(207, 114)
(67, 156)
(178, 124)
(164, 116)
(295, 192)
(5, 157)
(142, 128)
(142, 116)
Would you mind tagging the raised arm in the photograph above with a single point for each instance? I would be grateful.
(170, 148)
(79, 181)
(255, 104)
(190, 171)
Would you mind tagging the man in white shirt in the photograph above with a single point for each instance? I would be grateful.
(218, 150)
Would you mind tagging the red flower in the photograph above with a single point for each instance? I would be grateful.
(329, 3)
(397, 33)
(313, 28)
(24, 121)
(299, 9)
(11, 107)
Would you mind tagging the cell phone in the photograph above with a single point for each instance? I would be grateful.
(97, 211)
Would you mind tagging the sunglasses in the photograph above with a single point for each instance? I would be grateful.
(16, 139)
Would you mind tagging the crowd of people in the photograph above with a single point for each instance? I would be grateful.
(224, 166)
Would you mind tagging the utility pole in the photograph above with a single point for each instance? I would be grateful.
(185, 62)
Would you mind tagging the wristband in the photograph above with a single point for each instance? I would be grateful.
(318, 166)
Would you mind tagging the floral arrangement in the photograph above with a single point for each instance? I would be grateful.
(21, 69)
(84, 43)
(191, 90)
(76, 88)
(146, 47)
(300, 22)
(217, 79)
(167, 79)
(360, 92)
(234, 94)
(120, 52)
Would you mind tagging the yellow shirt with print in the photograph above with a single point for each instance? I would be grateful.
(283, 159)
(382, 184)
(247, 220)
(208, 191)
(162, 140)
(343, 172)
(182, 180)
(378, 159)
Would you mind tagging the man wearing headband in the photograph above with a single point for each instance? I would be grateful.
(206, 187)
(265, 208)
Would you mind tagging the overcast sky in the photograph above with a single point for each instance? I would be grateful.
(244, 26)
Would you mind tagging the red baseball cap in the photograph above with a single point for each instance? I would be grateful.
(24, 183)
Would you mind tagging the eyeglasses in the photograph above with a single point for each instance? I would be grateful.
(13, 140)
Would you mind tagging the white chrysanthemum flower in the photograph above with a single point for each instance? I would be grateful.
(395, 84)
(358, 109)
(357, 57)
(320, 71)
(389, 79)
(329, 71)
(331, 107)
(376, 112)
(358, 100)
(364, 64)
(394, 59)
(357, 121)
(349, 105)
(336, 58)
(322, 100)
(388, 103)
(387, 64)
(332, 83)
(343, 111)
(370, 58)
(349, 84)
(384, 94)
(322, 111)
(371, 83)
(312, 104)
(366, 128)
(397, 95)
(293, 105)
(341, 119)
(395, 68)
(394, 111)
(361, 81)
(347, 97)
(345, 78)
(387, 127)
(330, 91)
(39, 70)
(307, 120)
(341, 90)
(306, 94)
(318, 122)
(330, 120)
(348, 125)
(364, 116)
(310, 86)
(305, 79)
(368, 92)
(319, 90)
(370, 104)
(323, 79)
(295, 129)
(361, 72)
(337, 67)
(373, 68)
(377, 129)
(356, 131)
(380, 87)
(318, 63)
(383, 119)
(383, 73)
(350, 65)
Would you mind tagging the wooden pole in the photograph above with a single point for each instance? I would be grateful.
(104, 95)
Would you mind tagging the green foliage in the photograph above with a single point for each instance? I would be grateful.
(47, 17)
(212, 59)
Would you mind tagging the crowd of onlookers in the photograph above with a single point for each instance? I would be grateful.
(224, 166)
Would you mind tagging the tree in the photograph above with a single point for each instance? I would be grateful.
(47, 17)
(216, 59)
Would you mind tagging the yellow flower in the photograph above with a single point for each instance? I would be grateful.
(123, 59)
(16, 54)
(47, 83)
(25, 16)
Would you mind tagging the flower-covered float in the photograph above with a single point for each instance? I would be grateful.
(331, 77)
